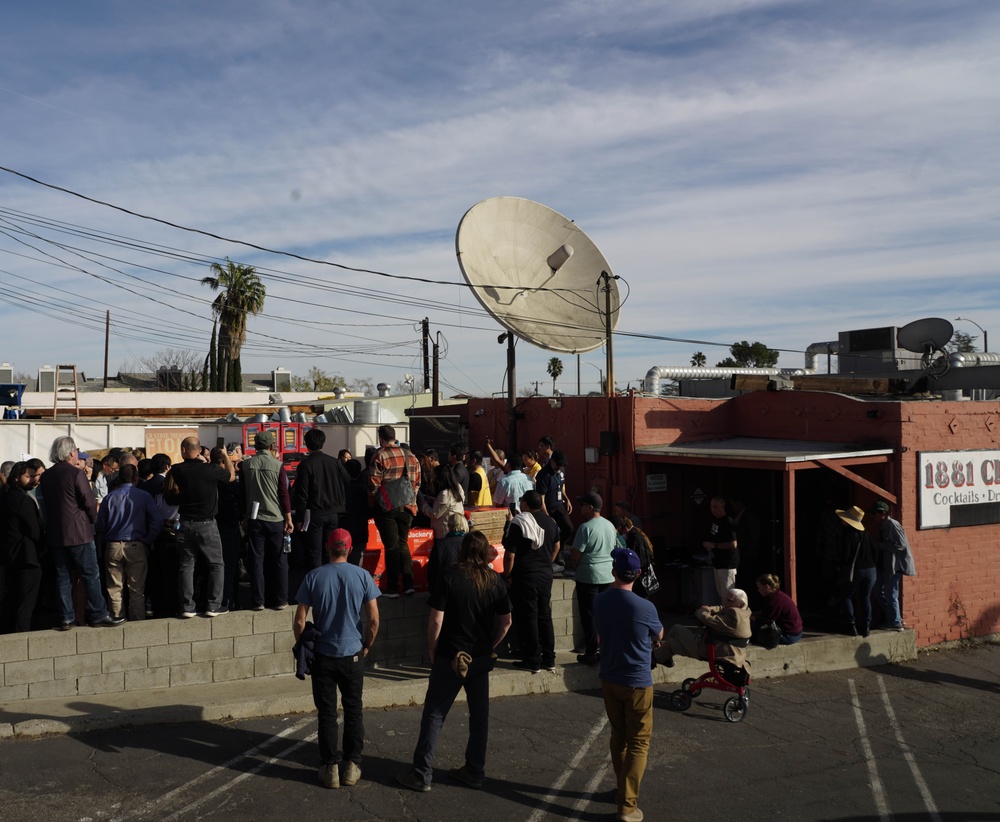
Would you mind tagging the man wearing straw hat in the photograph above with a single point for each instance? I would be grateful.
(855, 570)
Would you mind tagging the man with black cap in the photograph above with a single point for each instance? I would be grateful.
(340, 595)
(628, 626)
(895, 561)
(590, 557)
(268, 509)
(531, 542)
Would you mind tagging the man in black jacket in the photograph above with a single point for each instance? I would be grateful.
(319, 489)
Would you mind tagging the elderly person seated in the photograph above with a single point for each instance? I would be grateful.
(727, 626)
(779, 608)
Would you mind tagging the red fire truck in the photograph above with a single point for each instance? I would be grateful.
(291, 448)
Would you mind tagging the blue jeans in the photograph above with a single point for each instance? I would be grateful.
(442, 688)
(789, 639)
(346, 673)
(887, 593)
(586, 593)
(862, 585)
(83, 559)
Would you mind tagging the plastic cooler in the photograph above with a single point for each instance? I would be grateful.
(421, 541)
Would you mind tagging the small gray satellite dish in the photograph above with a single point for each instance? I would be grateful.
(536, 273)
(931, 332)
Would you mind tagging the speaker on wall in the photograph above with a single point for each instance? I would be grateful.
(609, 443)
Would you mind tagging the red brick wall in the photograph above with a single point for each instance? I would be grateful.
(956, 591)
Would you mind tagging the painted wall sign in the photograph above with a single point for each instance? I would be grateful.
(656, 483)
(959, 488)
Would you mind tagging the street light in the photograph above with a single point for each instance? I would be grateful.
(600, 385)
(986, 345)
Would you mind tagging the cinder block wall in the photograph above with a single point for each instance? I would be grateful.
(164, 653)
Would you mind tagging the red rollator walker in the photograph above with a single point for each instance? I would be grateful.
(721, 676)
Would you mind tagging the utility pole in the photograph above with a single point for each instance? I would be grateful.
(425, 329)
(437, 369)
(511, 392)
(607, 278)
(107, 345)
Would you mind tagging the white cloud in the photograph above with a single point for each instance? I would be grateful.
(759, 170)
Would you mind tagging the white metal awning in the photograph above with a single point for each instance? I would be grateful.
(761, 449)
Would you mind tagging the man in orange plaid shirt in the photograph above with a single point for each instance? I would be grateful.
(389, 463)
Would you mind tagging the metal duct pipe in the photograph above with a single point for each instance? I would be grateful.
(816, 349)
(651, 384)
(971, 359)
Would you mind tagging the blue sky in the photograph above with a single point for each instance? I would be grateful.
(775, 171)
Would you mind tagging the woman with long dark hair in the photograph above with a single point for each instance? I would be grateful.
(21, 535)
(470, 615)
(449, 499)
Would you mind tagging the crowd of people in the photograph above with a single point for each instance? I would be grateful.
(131, 537)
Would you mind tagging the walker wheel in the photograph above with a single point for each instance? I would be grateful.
(687, 683)
(735, 709)
(680, 700)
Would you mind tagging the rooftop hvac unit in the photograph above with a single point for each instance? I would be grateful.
(169, 378)
(869, 350)
(6, 373)
(282, 379)
(47, 379)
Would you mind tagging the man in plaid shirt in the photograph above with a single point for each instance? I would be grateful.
(394, 525)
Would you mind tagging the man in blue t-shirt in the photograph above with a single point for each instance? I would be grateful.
(628, 625)
(338, 593)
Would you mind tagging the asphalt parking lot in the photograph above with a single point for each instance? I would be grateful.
(919, 740)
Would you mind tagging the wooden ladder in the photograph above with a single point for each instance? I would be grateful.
(65, 393)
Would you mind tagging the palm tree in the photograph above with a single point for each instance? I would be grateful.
(241, 294)
(555, 368)
(698, 359)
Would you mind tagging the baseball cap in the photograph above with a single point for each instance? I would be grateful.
(592, 499)
(340, 536)
(880, 508)
(625, 560)
(263, 439)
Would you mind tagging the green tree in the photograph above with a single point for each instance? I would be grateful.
(962, 343)
(750, 355)
(318, 380)
(241, 294)
(698, 359)
(555, 368)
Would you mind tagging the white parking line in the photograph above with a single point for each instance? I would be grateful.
(588, 792)
(925, 792)
(170, 795)
(228, 786)
(557, 786)
(878, 791)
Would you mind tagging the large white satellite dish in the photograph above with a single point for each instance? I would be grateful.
(538, 274)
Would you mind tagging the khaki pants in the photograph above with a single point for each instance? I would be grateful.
(126, 562)
(630, 714)
(725, 578)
